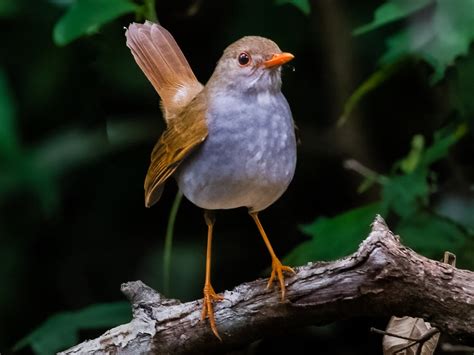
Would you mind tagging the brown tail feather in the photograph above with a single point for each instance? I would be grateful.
(158, 55)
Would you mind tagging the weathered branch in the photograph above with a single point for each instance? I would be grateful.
(382, 278)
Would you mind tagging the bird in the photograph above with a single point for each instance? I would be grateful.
(230, 143)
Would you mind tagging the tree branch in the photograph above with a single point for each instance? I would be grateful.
(383, 278)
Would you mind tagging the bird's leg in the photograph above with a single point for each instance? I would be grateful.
(277, 267)
(209, 293)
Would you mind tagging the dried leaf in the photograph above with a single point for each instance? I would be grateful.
(408, 327)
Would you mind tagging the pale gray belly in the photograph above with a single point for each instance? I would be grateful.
(244, 162)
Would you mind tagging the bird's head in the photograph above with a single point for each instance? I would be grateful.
(249, 64)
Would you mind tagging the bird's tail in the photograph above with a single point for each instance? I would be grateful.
(159, 57)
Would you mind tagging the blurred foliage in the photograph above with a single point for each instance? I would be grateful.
(437, 31)
(86, 16)
(463, 87)
(303, 5)
(8, 8)
(390, 11)
(56, 141)
(36, 169)
(405, 192)
(62, 330)
(438, 35)
(408, 195)
(432, 235)
(333, 238)
(371, 83)
(8, 133)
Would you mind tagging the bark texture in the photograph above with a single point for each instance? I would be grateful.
(383, 278)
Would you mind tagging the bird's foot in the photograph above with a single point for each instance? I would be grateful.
(207, 310)
(277, 270)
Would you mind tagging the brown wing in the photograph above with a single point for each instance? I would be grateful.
(183, 135)
(160, 58)
(158, 55)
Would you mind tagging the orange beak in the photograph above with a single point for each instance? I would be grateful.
(278, 59)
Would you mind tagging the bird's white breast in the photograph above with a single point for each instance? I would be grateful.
(249, 157)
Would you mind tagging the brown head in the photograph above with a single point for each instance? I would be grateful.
(251, 63)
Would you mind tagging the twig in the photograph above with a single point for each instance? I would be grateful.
(169, 242)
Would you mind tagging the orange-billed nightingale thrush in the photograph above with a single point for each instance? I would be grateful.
(230, 143)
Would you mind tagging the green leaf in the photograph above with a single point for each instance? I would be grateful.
(438, 40)
(335, 237)
(8, 134)
(103, 315)
(443, 140)
(431, 235)
(404, 194)
(464, 87)
(9, 8)
(411, 161)
(60, 331)
(303, 5)
(439, 37)
(86, 16)
(392, 11)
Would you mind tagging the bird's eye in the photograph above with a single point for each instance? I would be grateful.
(244, 59)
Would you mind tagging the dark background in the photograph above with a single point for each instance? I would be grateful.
(75, 227)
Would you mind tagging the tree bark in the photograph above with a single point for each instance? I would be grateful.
(383, 278)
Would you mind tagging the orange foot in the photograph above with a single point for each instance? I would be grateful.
(207, 310)
(277, 270)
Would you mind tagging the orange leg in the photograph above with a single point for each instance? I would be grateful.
(209, 293)
(277, 267)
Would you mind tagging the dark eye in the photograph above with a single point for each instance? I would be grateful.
(244, 59)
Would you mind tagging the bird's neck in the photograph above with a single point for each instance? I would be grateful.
(264, 82)
(237, 92)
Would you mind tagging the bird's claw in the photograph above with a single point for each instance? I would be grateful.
(277, 270)
(207, 309)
